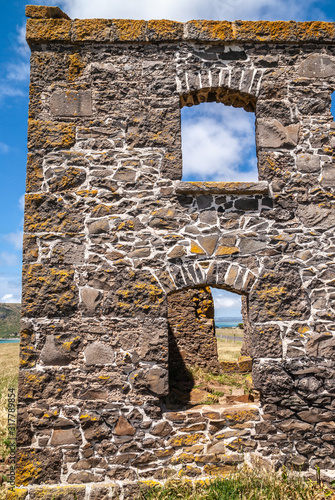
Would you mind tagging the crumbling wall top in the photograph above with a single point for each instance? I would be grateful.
(50, 24)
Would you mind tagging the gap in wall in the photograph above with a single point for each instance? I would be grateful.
(218, 143)
(228, 324)
(196, 372)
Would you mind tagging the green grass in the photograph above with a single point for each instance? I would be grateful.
(9, 319)
(234, 380)
(243, 485)
(9, 367)
(228, 350)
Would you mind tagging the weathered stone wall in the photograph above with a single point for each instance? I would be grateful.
(192, 340)
(110, 232)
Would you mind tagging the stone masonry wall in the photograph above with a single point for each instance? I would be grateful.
(111, 231)
(192, 338)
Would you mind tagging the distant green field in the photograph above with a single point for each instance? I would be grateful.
(9, 319)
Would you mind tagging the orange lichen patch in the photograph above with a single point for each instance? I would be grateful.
(303, 329)
(270, 293)
(195, 248)
(210, 30)
(265, 31)
(58, 492)
(183, 458)
(28, 356)
(16, 494)
(129, 30)
(164, 30)
(48, 30)
(185, 439)
(223, 250)
(87, 30)
(107, 30)
(315, 30)
(240, 415)
(43, 12)
(35, 176)
(43, 134)
(219, 470)
(76, 66)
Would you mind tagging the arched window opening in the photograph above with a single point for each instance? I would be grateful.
(205, 362)
(218, 143)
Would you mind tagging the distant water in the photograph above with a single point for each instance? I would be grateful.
(9, 341)
(229, 322)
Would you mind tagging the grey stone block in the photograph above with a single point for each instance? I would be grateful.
(71, 103)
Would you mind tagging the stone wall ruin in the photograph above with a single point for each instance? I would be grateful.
(111, 232)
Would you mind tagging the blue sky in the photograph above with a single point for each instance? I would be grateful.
(14, 81)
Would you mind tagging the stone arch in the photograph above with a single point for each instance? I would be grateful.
(232, 87)
(233, 277)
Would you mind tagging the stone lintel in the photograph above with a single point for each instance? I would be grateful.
(43, 12)
(78, 31)
(222, 187)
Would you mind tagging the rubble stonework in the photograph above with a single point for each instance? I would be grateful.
(192, 340)
(111, 232)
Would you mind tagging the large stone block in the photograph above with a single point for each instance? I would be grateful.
(274, 135)
(73, 103)
(317, 66)
(57, 284)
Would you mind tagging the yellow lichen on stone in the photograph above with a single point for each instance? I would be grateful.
(195, 248)
(186, 439)
(107, 30)
(303, 329)
(34, 173)
(271, 292)
(48, 30)
(59, 492)
(219, 470)
(182, 458)
(16, 494)
(223, 250)
(28, 467)
(164, 30)
(46, 134)
(76, 66)
(43, 12)
(129, 29)
(211, 30)
(87, 30)
(240, 415)
(315, 30)
(265, 31)
(68, 345)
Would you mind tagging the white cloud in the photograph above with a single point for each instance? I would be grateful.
(226, 303)
(184, 10)
(8, 90)
(18, 72)
(15, 75)
(7, 297)
(137, 9)
(10, 289)
(9, 259)
(3, 148)
(21, 46)
(218, 143)
(21, 202)
(15, 239)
